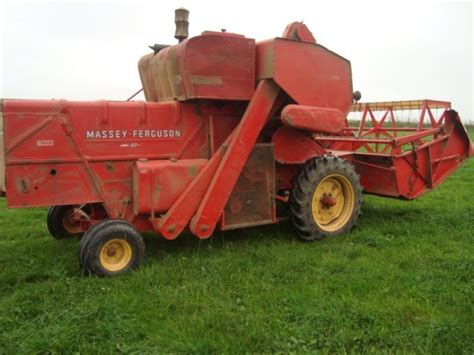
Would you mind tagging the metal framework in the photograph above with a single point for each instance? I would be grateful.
(378, 131)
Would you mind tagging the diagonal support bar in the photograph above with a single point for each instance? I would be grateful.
(177, 218)
(242, 142)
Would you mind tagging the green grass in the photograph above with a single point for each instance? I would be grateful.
(401, 281)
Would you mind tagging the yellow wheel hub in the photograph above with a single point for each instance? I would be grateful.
(333, 202)
(115, 255)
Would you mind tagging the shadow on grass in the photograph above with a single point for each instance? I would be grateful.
(404, 211)
(254, 236)
(376, 213)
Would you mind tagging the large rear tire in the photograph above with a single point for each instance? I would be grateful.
(325, 199)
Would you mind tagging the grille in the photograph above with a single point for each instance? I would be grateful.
(252, 201)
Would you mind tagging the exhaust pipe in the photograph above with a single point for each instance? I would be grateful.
(181, 17)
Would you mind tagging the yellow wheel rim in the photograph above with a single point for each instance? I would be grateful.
(115, 255)
(333, 202)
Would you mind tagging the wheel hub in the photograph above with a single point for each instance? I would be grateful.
(115, 254)
(328, 201)
(69, 223)
(111, 251)
(333, 202)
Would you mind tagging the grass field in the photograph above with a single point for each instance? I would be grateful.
(401, 281)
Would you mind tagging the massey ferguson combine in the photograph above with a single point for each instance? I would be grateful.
(233, 134)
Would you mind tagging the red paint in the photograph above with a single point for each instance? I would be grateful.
(328, 201)
(309, 73)
(313, 119)
(158, 183)
(175, 161)
(236, 154)
(303, 147)
(214, 65)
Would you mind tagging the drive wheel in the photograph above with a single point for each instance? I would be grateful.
(325, 199)
(112, 248)
(60, 223)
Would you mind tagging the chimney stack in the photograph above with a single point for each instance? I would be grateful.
(182, 23)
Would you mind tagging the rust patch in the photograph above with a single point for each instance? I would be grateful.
(157, 184)
(252, 200)
(206, 80)
(110, 166)
(20, 185)
(192, 170)
(156, 192)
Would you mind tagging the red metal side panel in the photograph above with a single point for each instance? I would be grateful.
(220, 66)
(313, 75)
(158, 183)
(310, 73)
(47, 185)
(58, 130)
(220, 127)
(377, 175)
(289, 152)
(211, 66)
(60, 152)
(177, 218)
(114, 182)
(138, 130)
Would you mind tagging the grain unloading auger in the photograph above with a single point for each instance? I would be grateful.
(233, 134)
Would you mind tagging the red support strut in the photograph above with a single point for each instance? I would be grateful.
(242, 142)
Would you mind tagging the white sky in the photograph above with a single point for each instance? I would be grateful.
(90, 50)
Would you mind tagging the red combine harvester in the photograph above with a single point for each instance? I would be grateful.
(233, 134)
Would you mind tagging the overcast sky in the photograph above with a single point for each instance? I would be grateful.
(89, 50)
